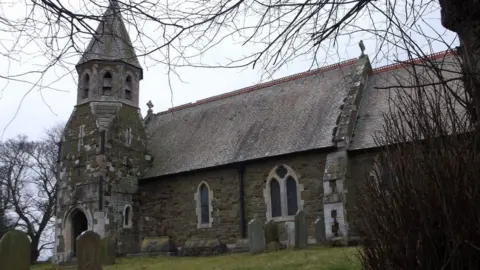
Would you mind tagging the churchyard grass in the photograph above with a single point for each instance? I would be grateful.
(311, 258)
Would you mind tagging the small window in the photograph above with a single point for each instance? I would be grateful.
(128, 88)
(85, 86)
(107, 84)
(275, 198)
(128, 136)
(292, 203)
(127, 216)
(204, 205)
(333, 186)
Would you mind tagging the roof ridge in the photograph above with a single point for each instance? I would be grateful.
(401, 64)
(261, 85)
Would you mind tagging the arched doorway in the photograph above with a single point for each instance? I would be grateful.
(79, 225)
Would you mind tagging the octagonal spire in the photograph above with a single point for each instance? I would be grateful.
(111, 41)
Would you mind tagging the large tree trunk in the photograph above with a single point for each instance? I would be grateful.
(463, 18)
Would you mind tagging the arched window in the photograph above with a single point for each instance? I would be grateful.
(127, 216)
(275, 198)
(107, 84)
(292, 203)
(85, 86)
(203, 198)
(128, 88)
(204, 205)
(282, 193)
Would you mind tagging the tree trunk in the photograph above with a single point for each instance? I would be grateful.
(463, 18)
(34, 253)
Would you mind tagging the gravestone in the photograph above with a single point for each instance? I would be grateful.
(203, 247)
(301, 235)
(108, 251)
(88, 251)
(161, 245)
(272, 238)
(15, 251)
(290, 232)
(320, 230)
(256, 237)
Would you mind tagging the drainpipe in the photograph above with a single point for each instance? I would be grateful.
(241, 173)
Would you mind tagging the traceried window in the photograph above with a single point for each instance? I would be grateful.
(107, 84)
(203, 198)
(85, 86)
(282, 193)
(128, 88)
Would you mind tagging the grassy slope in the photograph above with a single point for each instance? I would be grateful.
(315, 258)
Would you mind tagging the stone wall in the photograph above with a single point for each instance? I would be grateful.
(360, 165)
(167, 204)
(98, 176)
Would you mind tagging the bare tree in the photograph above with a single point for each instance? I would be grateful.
(417, 207)
(267, 34)
(29, 178)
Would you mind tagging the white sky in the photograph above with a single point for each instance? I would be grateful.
(31, 113)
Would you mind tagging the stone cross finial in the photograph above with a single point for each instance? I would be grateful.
(362, 48)
(150, 106)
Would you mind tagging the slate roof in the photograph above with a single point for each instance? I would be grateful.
(293, 114)
(376, 101)
(111, 41)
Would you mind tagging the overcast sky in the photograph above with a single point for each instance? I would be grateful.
(29, 110)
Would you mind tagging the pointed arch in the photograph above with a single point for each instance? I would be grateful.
(275, 196)
(107, 84)
(127, 216)
(203, 198)
(128, 88)
(282, 193)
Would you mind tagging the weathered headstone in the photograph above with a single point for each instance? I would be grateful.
(158, 245)
(271, 232)
(88, 251)
(15, 251)
(301, 234)
(107, 251)
(320, 230)
(290, 232)
(256, 237)
(272, 236)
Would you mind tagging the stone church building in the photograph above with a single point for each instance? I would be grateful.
(205, 169)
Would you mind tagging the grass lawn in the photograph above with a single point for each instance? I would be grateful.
(313, 258)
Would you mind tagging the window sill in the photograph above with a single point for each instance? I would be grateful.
(203, 226)
(284, 218)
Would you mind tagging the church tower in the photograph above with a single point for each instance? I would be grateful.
(103, 145)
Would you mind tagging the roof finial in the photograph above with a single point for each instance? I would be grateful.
(362, 48)
(150, 106)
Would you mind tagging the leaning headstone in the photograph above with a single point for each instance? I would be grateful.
(15, 251)
(88, 251)
(272, 236)
(290, 232)
(256, 237)
(107, 251)
(301, 235)
(320, 230)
